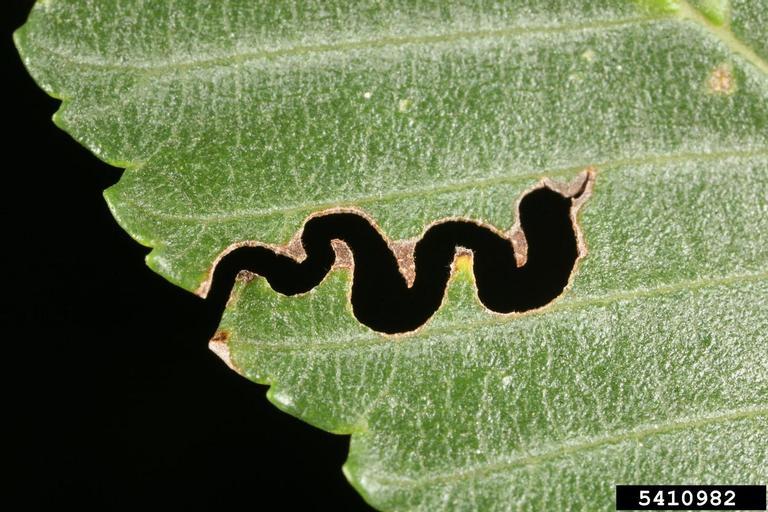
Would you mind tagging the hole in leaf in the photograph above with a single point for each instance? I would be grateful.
(382, 296)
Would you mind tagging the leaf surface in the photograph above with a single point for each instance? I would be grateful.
(235, 120)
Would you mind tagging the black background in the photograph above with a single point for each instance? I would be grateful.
(112, 397)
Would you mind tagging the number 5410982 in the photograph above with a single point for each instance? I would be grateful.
(701, 498)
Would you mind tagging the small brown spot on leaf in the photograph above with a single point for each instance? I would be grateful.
(220, 337)
(588, 55)
(721, 80)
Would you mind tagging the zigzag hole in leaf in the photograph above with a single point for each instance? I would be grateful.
(397, 287)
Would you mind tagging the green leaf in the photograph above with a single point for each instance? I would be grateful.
(235, 120)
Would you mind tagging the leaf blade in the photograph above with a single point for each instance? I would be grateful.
(415, 112)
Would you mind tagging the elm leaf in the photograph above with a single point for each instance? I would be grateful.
(235, 120)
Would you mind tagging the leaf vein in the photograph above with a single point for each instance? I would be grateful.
(725, 35)
(569, 447)
(446, 188)
(161, 67)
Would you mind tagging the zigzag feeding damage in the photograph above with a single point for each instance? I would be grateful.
(398, 286)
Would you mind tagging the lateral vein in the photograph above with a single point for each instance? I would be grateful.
(569, 447)
(725, 35)
(214, 218)
(249, 55)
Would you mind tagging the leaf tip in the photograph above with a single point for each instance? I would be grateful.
(367, 488)
(219, 345)
(286, 402)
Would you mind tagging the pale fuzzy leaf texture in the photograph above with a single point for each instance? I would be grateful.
(237, 119)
